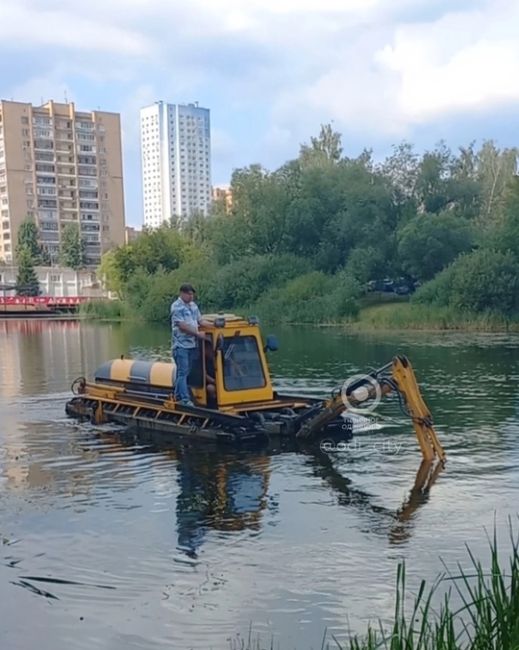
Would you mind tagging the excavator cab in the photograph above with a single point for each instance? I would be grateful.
(233, 355)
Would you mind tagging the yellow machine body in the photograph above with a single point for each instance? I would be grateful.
(233, 393)
(233, 353)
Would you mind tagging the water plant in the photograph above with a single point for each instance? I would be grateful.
(470, 609)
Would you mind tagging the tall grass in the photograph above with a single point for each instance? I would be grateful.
(104, 310)
(427, 317)
(488, 618)
(485, 618)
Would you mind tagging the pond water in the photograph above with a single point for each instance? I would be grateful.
(107, 541)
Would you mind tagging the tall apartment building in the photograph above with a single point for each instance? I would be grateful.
(176, 161)
(60, 166)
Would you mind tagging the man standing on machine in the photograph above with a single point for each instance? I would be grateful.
(185, 321)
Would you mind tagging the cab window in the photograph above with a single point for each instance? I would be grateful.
(242, 367)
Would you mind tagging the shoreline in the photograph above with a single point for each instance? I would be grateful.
(386, 315)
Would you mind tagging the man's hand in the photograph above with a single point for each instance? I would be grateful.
(201, 335)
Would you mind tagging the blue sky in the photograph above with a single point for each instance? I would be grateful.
(272, 71)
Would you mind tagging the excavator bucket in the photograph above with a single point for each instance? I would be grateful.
(405, 380)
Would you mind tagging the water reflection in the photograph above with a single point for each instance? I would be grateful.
(195, 543)
(228, 491)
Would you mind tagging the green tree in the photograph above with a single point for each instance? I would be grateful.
(366, 263)
(483, 280)
(465, 190)
(401, 168)
(428, 243)
(433, 185)
(325, 148)
(505, 235)
(486, 280)
(72, 247)
(162, 249)
(496, 169)
(28, 239)
(26, 279)
(360, 213)
(109, 272)
(240, 283)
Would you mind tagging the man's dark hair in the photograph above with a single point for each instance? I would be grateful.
(186, 288)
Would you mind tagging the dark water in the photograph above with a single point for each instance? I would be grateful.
(115, 543)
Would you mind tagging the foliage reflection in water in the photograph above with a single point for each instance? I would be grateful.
(194, 542)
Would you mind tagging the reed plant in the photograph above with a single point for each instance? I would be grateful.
(487, 618)
(113, 310)
(469, 609)
(427, 317)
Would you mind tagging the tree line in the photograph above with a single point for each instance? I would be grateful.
(303, 242)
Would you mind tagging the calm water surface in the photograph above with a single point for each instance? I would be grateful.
(115, 543)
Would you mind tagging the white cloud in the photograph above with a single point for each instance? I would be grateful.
(463, 61)
(386, 78)
(377, 68)
(27, 26)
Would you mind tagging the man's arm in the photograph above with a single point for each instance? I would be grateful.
(184, 327)
(178, 319)
(200, 319)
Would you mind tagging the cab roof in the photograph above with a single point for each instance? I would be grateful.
(230, 320)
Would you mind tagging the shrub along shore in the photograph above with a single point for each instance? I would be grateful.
(383, 316)
(308, 242)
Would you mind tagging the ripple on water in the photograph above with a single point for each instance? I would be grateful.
(164, 546)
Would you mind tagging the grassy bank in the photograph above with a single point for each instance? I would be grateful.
(407, 316)
(485, 616)
(390, 314)
(111, 310)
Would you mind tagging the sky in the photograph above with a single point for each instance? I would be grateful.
(273, 71)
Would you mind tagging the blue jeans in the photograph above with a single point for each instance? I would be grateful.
(183, 358)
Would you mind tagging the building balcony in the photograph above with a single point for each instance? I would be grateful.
(62, 147)
(43, 146)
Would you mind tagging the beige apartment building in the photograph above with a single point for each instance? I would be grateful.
(60, 166)
(223, 194)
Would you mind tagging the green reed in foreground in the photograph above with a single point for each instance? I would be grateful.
(486, 619)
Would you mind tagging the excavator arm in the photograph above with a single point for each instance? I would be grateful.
(395, 377)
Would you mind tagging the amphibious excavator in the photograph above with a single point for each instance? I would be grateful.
(234, 398)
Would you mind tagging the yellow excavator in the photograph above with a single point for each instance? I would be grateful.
(234, 398)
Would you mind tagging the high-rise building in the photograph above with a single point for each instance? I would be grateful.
(176, 161)
(60, 166)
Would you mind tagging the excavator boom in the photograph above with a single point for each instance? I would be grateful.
(397, 376)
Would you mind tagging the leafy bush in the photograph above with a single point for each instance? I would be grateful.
(150, 295)
(242, 282)
(437, 291)
(428, 243)
(366, 264)
(311, 298)
(484, 280)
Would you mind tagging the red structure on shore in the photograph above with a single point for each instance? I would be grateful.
(40, 304)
